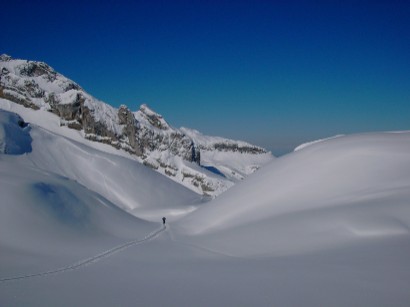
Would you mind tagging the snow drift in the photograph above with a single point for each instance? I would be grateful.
(14, 134)
(327, 194)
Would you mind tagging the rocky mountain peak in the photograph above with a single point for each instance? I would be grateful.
(153, 118)
(207, 165)
(5, 58)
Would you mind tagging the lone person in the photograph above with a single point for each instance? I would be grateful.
(163, 220)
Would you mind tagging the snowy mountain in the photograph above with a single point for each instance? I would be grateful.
(118, 178)
(80, 220)
(327, 225)
(207, 165)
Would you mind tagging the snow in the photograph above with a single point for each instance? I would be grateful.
(80, 224)
(101, 168)
(300, 147)
(46, 215)
(40, 86)
(102, 111)
(14, 134)
(232, 165)
(68, 97)
(332, 193)
(208, 141)
(327, 225)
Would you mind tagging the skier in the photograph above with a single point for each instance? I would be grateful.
(163, 220)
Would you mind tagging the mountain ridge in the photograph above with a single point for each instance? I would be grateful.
(180, 154)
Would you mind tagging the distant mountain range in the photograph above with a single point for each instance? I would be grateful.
(207, 165)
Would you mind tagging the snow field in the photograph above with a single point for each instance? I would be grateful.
(327, 225)
(330, 193)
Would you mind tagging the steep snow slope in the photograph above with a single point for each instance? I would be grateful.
(42, 212)
(330, 193)
(120, 179)
(48, 221)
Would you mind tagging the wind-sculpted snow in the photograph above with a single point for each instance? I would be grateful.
(300, 147)
(14, 134)
(334, 192)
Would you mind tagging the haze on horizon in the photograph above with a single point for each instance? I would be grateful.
(273, 73)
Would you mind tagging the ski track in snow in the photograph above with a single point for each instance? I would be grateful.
(90, 260)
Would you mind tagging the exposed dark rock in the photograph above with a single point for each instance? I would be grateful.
(127, 119)
(236, 148)
(153, 118)
(72, 86)
(5, 58)
(16, 98)
(68, 111)
(35, 69)
(33, 89)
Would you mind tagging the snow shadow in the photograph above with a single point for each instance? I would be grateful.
(61, 204)
(214, 170)
(15, 136)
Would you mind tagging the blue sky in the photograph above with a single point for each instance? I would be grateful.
(274, 73)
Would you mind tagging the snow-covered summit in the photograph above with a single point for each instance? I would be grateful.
(203, 164)
(147, 116)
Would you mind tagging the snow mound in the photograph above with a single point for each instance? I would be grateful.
(14, 134)
(331, 193)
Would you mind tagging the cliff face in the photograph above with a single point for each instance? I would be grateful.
(145, 134)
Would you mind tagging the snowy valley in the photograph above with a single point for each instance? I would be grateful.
(84, 186)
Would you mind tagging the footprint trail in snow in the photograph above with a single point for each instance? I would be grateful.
(90, 260)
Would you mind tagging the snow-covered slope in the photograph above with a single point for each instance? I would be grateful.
(330, 193)
(14, 134)
(49, 214)
(300, 147)
(120, 179)
(327, 225)
(176, 153)
(233, 159)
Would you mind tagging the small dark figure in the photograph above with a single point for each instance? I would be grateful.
(163, 220)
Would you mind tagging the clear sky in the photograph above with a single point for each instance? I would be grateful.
(274, 73)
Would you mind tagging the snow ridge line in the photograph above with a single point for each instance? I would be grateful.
(90, 260)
